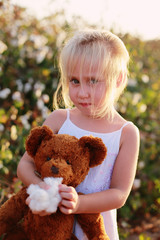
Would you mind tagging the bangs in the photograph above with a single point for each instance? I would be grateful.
(91, 55)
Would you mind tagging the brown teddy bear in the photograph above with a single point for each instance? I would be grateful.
(55, 155)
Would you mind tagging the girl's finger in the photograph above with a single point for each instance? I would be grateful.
(28, 200)
(67, 204)
(44, 185)
(64, 188)
(42, 213)
(68, 196)
(65, 210)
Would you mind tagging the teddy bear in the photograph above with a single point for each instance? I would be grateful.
(55, 156)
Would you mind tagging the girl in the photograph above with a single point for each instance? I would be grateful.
(93, 67)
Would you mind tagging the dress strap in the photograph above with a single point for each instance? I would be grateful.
(68, 113)
(125, 124)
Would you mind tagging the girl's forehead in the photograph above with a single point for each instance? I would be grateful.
(85, 67)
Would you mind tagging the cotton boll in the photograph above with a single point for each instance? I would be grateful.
(54, 196)
(42, 199)
(32, 188)
(39, 198)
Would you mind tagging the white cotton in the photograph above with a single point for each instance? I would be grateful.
(42, 199)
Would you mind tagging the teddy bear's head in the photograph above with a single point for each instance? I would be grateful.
(62, 155)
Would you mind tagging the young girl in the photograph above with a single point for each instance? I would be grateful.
(93, 67)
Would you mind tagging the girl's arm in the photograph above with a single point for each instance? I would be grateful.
(25, 171)
(121, 183)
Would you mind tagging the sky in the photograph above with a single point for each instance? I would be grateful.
(141, 18)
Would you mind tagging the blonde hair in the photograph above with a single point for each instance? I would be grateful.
(100, 48)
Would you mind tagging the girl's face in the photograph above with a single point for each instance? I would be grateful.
(86, 90)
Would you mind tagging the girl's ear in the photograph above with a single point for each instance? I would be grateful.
(121, 79)
(36, 136)
(96, 147)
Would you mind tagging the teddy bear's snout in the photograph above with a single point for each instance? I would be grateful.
(55, 170)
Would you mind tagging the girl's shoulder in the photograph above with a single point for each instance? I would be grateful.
(56, 119)
(127, 127)
(130, 128)
(130, 133)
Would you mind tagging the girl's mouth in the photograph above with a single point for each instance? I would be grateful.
(85, 104)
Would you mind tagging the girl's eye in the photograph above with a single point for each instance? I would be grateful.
(48, 158)
(74, 81)
(93, 81)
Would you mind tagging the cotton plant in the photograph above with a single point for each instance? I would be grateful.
(4, 93)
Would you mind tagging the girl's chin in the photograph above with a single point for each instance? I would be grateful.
(87, 111)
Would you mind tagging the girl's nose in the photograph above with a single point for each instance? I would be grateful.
(83, 92)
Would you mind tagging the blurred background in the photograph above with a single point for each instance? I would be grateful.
(31, 35)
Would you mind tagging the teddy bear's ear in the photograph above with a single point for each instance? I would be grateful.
(35, 138)
(97, 149)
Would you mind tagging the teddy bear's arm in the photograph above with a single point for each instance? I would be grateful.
(12, 211)
(93, 226)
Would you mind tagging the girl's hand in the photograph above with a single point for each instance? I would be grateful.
(70, 199)
(41, 213)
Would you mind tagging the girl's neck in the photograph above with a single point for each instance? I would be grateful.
(99, 125)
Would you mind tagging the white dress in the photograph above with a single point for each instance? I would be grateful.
(98, 178)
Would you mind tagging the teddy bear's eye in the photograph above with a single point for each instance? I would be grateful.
(68, 162)
(48, 158)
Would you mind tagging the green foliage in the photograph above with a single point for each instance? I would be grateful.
(28, 78)
(140, 104)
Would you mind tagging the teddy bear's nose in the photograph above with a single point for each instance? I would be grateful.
(55, 170)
